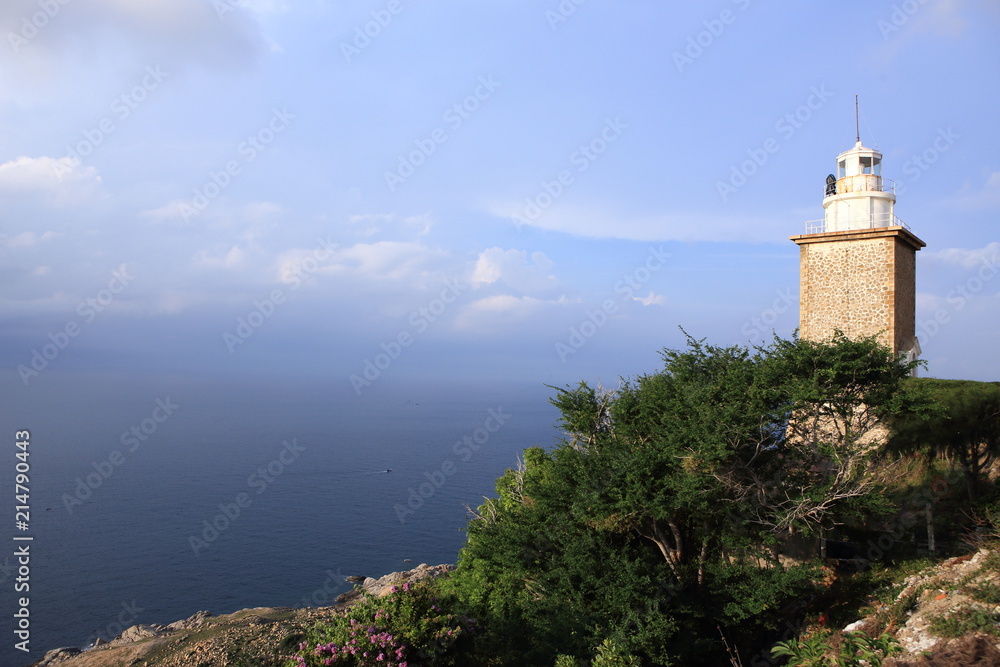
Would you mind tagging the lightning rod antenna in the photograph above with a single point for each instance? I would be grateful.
(857, 129)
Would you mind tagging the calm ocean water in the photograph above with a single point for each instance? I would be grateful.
(302, 464)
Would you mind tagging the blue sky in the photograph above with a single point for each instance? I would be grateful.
(505, 191)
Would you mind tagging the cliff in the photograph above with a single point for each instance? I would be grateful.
(261, 636)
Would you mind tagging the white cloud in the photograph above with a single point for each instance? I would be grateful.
(370, 224)
(26, 239)
(172, 211)
(254, 218)
(500, 311)
(60, 181)
(412, 264)
(969, 258)
(388, 259)
(234, 258)
(652, 299)
(513, 268)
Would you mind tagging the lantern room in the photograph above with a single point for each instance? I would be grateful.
(857, 197)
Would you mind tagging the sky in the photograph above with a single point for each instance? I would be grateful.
(520, 191)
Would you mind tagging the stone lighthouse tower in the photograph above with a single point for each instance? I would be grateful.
(858, 264)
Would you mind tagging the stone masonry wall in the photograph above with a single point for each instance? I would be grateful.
(906, 296)
(861, 284)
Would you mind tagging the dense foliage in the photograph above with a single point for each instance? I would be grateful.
(656, 527)
(964, 426)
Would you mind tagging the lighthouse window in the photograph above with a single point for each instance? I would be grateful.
(876, 166)
(842, 169)
(866, 165)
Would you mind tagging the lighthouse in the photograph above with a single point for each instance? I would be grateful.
(857, 265)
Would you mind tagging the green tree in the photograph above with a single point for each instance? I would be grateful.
(657, 520)
(964, 425)
(782, 435)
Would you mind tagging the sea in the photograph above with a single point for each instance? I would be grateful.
(154, 498)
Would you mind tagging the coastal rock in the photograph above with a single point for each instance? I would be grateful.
(383, 586)
(192, 622)
(257, 636)
(139, 632)
(349, 596)
(57, 655)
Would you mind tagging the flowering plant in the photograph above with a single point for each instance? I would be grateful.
(407, 628)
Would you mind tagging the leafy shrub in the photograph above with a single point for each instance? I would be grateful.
(856, 649)
(409, 627)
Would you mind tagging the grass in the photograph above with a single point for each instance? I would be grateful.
(965, 620)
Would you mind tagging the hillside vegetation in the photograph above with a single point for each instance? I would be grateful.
(684, 520)
(679, 520)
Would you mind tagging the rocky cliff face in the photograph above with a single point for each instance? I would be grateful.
(247, 637)
(946, 615)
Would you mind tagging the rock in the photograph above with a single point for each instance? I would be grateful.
(59, 654)
(383, 585)
(138, 632)
(192, 622)
(348, 596)
(356, 579)
(856, 625)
